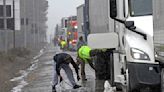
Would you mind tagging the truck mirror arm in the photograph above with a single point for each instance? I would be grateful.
(144, 35)
(119, 20)
(132, 28)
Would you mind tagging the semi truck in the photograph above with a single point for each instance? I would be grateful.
(158, 22)
(123, 31)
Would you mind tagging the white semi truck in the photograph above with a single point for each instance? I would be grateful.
(128, 38)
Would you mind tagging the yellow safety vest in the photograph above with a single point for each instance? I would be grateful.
(63, 44)
(84, 53)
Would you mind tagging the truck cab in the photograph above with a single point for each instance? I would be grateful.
(132, 65)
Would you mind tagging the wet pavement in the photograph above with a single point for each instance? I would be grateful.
(39, 79)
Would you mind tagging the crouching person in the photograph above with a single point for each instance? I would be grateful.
(63, 60)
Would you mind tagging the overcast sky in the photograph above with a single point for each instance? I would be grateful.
(58, 9)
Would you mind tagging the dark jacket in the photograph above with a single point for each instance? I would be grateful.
(80, 43)
(64, 58)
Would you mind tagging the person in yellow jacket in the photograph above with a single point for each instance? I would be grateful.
(84, 58)
(63, 44)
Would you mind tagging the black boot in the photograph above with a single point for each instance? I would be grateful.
(76, 86)
(53, 89)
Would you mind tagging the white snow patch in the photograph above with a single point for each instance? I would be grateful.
(23, 74)
(33, 67)
(40, 54)
(108, 88)
(21, 79)
(35, 61)
(20, 86)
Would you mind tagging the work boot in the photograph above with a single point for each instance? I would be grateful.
(53, 89)
(76, 86)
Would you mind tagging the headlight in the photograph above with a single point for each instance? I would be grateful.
(139, 55)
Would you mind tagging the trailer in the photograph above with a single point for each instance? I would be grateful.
(124, 28)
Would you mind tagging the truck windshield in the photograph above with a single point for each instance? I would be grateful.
(140, 7)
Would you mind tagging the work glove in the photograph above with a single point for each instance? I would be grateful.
(61, 79)
(78, 78)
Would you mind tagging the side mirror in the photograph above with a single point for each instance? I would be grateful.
(130, 25)
(113, 9)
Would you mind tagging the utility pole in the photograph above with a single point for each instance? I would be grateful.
(13, 23)
(5, 25)
(25, 25)
(34, 24)
(37, 23)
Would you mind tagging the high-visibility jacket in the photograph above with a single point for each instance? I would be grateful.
(63, 44)
(84, 53)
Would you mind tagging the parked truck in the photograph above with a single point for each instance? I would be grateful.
(124, 28)
(158, 17)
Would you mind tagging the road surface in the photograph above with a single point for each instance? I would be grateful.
(38, 77)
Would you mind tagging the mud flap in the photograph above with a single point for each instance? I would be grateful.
(102, 63)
